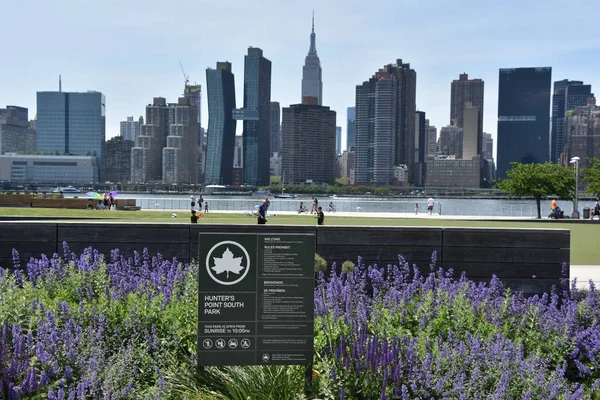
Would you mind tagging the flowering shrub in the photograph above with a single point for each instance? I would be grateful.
(390, 332)
(93, 326)
(80, 327)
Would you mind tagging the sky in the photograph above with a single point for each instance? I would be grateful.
(130, 49)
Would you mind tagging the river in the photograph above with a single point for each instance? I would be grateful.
(474, 207)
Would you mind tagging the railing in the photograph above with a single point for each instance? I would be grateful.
(501, 208)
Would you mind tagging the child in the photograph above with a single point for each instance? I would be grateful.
(206, 206)
(320, 215)
(194, 218)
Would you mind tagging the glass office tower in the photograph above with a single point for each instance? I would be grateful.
(71, 123)
(523, 116)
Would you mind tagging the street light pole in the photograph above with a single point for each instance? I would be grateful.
(575, 160)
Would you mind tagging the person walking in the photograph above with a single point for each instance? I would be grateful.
(430, 203)
(320, 215)
(416, 208)
(262, 212)
(193, 201)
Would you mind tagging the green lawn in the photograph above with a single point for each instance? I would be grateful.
(584, 236)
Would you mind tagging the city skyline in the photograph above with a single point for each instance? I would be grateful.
(117, 53)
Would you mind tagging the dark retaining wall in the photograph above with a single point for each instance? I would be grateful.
(528, 260)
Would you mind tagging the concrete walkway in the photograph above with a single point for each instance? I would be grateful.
(585, 273)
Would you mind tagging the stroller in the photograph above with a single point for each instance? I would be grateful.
(557, 213)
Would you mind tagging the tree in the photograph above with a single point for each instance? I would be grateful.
(591, 176)
(539, 180)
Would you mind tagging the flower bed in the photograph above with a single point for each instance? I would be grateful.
(93, 326)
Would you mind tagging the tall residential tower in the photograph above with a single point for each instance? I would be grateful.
(385, 124)
(220, 87)
(256, 115)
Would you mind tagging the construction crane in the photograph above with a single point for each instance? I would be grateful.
(187, 78)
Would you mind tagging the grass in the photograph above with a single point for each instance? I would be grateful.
(584, 236)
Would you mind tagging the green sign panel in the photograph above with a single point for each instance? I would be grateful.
(256, 299)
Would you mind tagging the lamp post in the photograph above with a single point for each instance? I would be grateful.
(575, 160)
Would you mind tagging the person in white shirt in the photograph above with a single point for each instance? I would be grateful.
(193, 201)
(430, 203)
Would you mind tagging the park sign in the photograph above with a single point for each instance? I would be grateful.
(256, 299)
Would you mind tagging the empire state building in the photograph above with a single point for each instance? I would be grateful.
(312, 85)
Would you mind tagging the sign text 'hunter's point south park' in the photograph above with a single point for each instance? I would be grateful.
(256, 299)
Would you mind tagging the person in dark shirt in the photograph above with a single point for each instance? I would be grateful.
(320, 215)
(194, 218)
(262, 213)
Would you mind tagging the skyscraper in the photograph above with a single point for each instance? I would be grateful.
(308, 143)
(221, 125)
(350, 134)
(312, 83)
(194, 94)
(385, 124)
(338, 140)
(431, 138)
(471, 142)
(117, 159)
(146, 155)
(71, 123)
(130, 129)
(180, 154)
(450, 142)
(523, 116)
(567, 96)
(275, 128)
(256, 115)
(487, 147)
(463, 91)
(421, 124)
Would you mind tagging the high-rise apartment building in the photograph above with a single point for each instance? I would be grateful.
(180, 155)
(117, 159)
(194, 94)
(220, 87)
(350, 133)
(385, 124)
(487, 146)
(420, 147)
(463, 91)
(256, 115)
(523, 117)
(146, 155)
(130, 129)
(567, 95)
(275, 128)
(430, 138)
(167, 148)
(582, 128)
(312, 81)
(471, 138)
(308, 143)
(71, 123)
(16, 133)
(338, 140)
(450, 142)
